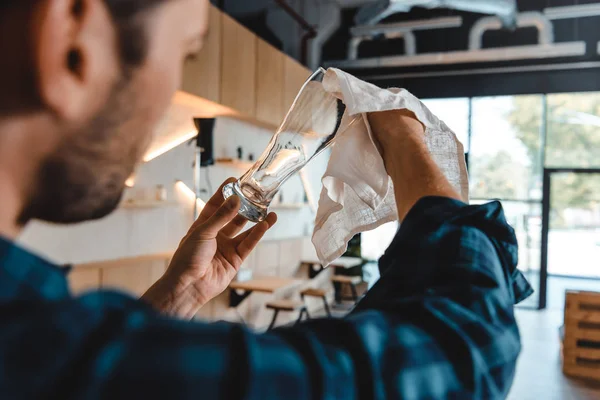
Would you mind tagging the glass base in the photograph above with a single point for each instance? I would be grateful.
(251, 211)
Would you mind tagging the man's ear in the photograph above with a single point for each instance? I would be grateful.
(76, 56)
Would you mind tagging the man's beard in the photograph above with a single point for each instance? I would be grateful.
(84, 178)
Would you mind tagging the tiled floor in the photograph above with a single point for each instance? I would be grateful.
(539, 375)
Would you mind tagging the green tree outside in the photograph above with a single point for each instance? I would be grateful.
(573, 140)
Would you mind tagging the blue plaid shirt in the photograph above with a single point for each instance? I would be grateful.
(438, 325)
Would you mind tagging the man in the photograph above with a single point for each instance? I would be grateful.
(83, 84)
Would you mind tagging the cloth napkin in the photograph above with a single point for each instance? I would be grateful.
(358, 194)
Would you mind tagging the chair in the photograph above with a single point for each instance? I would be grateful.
(287, 306)
(319, 293)
(350, 281)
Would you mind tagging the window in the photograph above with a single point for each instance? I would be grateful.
(505, 157)
(574, 226)
(375, 242)
(509, 141)
(573, 130)
(455, 114)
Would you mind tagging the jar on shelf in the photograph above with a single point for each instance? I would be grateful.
(160, 193)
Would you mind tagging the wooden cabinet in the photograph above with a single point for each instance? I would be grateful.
(290, 255)
(244, 73)
(132, 275)
(238, 68)
(294, 76)
(202, 76)
(269, 84)
(267, 259)
(134, 279)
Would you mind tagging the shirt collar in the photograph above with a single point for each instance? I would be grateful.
(25, 276)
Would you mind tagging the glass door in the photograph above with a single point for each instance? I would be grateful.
(570, 234)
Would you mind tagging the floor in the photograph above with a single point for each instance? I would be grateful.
(539, 375)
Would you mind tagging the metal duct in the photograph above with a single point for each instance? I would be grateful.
(527, 19)
(557, 50)
(409, 26)
(330, 18)
(399, 30)
(576, 11)
(410, 43)
(506, 10)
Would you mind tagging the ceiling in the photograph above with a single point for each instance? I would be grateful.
(334, 21)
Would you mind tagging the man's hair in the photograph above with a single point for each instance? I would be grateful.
(130, 28)
(125, 15)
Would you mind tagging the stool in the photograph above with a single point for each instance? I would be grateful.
(320, 293)
(287, 305)
(351, 281)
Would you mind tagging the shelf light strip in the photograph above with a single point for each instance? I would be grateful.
(170, 146)
(190, 193)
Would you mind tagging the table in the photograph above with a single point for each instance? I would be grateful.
(267, 284)
(342, 262)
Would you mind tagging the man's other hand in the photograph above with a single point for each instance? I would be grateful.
(392, 128)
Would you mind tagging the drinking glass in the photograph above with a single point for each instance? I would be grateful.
(311, 125)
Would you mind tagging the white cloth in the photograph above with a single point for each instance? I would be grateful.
(357, 194)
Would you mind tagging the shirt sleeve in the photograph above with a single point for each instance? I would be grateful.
(438, 324)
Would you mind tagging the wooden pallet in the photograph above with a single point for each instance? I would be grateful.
(581, 347)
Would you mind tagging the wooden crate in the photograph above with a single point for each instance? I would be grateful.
(581, 347)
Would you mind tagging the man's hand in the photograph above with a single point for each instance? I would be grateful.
(208, 257)
(401, 140)
(391, 129)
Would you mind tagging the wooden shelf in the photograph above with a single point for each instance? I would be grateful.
(289, 206)
(239, 164)
(147, 204)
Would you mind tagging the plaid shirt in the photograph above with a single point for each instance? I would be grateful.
(438, 325)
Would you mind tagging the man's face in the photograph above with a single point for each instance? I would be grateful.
(99, 146)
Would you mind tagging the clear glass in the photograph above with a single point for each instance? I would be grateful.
(311, 125)
(455, 113)
(573, 130)
(505, 159)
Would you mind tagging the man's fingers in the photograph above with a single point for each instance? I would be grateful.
(212, 206)
(224, 215)
(234, 227)
(215, 201)
(271, 220)
(252, 237)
